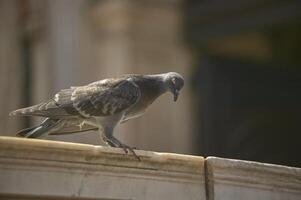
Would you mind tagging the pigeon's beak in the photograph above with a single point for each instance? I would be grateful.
(175, 95)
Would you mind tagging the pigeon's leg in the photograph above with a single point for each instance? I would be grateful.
(105, 140)
(114, 142)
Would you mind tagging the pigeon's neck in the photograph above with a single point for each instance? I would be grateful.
(151, 87)
(156, 83)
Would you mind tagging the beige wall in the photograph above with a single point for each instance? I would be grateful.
(10, 62)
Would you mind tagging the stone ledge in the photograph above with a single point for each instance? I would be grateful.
(228, 178)
(12, 147)
(32, 168)
(59, 169)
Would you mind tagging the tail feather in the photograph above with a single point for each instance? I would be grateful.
(44, 128)
(45, 109)
(25, 111)
(23, 132)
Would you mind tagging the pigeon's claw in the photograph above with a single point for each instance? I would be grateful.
(127, 148)
(114, 142)
(124, 149)
(135, 155)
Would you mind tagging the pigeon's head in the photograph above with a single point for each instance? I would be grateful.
(174, 82)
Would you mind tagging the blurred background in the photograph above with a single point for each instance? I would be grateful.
(240, 60)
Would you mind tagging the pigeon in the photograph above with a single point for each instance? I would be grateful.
(100, 106)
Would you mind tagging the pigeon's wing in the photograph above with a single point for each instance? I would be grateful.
(104, 99)
(74, 128)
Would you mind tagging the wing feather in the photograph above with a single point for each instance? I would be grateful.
(97, 100)
(102, 98)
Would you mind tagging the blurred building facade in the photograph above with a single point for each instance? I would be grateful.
(248, 78)
(53, 44)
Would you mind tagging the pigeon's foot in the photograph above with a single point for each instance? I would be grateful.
(127, 148)
(114, 142)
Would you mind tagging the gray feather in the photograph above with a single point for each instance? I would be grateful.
(100, 100)
(99, 105)
(44, 128)
(73, 125)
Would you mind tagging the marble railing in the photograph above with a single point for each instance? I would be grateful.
(41, 169)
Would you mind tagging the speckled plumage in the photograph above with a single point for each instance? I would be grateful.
(100, 105)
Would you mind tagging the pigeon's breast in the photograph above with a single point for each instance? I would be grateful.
(137, 110)
(148, 96)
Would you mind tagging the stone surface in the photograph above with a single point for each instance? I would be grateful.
(32, 167)
(237, 179)
(35, 169)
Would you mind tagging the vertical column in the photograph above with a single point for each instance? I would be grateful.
(11, 70)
